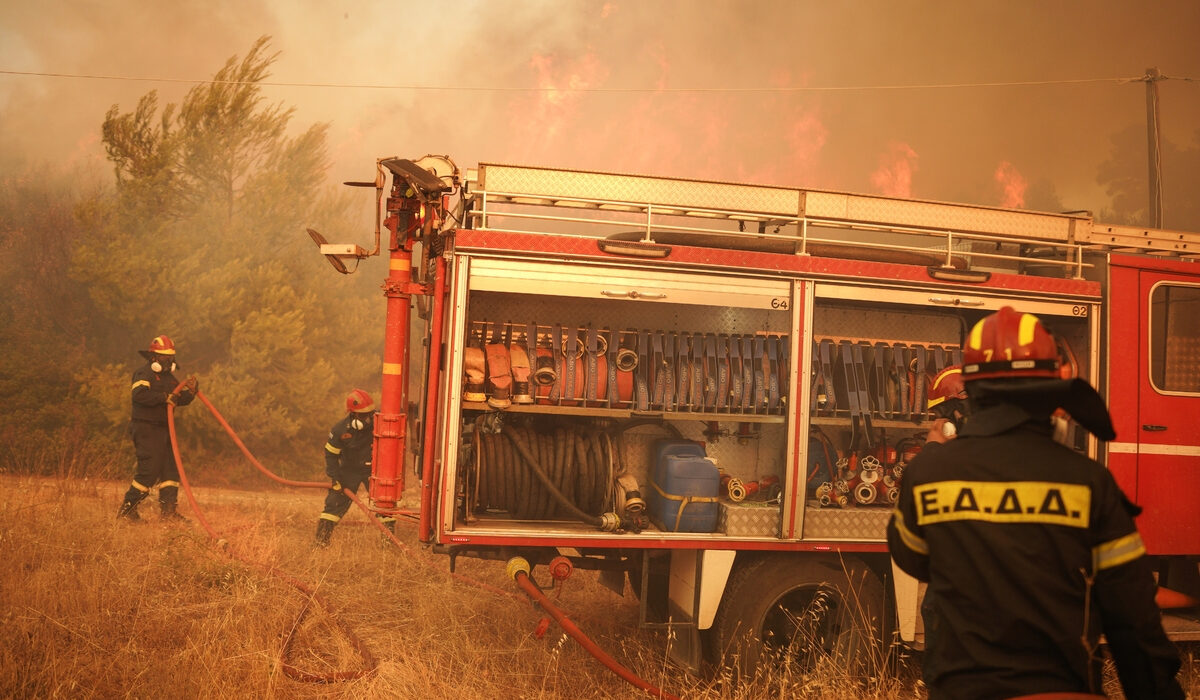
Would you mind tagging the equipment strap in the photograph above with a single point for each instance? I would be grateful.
(657, 375)
(591, 362)
(613, 395)
(682, 371)
(570, 355)
(879, 380)
(722, 371)
(846, 365)
(827, 359)
(735, 374)
(747, 374)
(668, 370)
(785, 368)
(900, 409)
(761, 367)
(641, 389)
(710, 372)
(918, 386)
(556, 353)
(772, 373)
(939, 359)
(864, 401)
(685, 501)
(816, 395)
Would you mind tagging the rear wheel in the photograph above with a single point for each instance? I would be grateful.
(801, 610)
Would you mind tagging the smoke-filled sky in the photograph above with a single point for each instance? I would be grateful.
(887, 97)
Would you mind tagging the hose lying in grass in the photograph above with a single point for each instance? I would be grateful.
(368, 658)
(518, 570)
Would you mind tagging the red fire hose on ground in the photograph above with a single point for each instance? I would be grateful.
(518, 570)
(521, 576)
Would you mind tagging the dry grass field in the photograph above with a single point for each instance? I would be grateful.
(93, 607)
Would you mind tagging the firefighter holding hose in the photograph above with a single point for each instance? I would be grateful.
(153, 390)
(348, 462)
(1029, 548)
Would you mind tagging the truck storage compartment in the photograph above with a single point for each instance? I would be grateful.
(583, 393)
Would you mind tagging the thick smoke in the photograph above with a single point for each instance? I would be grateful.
(674, 88)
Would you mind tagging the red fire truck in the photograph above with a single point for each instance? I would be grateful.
(712, 388)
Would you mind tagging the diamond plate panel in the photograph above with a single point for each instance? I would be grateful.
(749, 519)
(892, 324)
(953, 217)
(546, 182)
(866, 523)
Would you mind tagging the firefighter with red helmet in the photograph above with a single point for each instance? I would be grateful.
(1029, 548)
(153, 390)
(948, 403)
(348, 462)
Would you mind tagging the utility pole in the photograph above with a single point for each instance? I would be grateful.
(1154, 146)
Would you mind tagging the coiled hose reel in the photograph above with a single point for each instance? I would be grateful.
(566, 473)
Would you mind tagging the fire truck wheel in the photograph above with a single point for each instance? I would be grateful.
(817, 613)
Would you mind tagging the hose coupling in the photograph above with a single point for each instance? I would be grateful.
(516, 565)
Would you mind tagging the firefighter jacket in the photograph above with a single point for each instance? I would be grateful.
(150, 391)
(1029, 549)
(349, 447)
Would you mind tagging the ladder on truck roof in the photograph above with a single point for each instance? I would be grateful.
(661, 204)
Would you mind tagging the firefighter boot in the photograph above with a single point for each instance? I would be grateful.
(128, 508)
(324, 531)
(168, 495)
(169, 512)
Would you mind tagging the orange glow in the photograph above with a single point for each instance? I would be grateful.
(1012, 185)
(894, 175)
(555, 106)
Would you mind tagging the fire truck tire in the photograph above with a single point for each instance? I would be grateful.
(818, 612)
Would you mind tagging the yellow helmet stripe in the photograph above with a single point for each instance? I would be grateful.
(1029, 323)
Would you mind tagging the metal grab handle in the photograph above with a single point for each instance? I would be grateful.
(633, 294)
(1154, 428)
(955, 302)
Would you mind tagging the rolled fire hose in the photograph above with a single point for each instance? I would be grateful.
(499, 376)
(474, 365)
(518, 359)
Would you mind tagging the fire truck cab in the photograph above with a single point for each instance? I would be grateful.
(713, 388)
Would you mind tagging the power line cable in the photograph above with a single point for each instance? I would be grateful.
(501, 88)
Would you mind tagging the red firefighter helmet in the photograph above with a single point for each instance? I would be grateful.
(162, 345)
(359, 401)
(1009, 344)
(948, 384)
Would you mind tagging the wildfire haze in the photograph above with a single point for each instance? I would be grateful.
(1003, 104)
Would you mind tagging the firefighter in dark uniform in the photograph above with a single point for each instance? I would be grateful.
(348, 462)
(153, 384)
(1029, 548)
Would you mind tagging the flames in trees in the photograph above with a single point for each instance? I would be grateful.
(1012, 185)
(894, 175)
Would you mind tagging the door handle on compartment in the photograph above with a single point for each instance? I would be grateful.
(633, 294)
(956, 301)
(1154, 428)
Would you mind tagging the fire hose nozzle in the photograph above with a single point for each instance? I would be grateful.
(516, 565)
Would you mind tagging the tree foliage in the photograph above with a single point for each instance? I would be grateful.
(1126, 176)
(202, 238)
